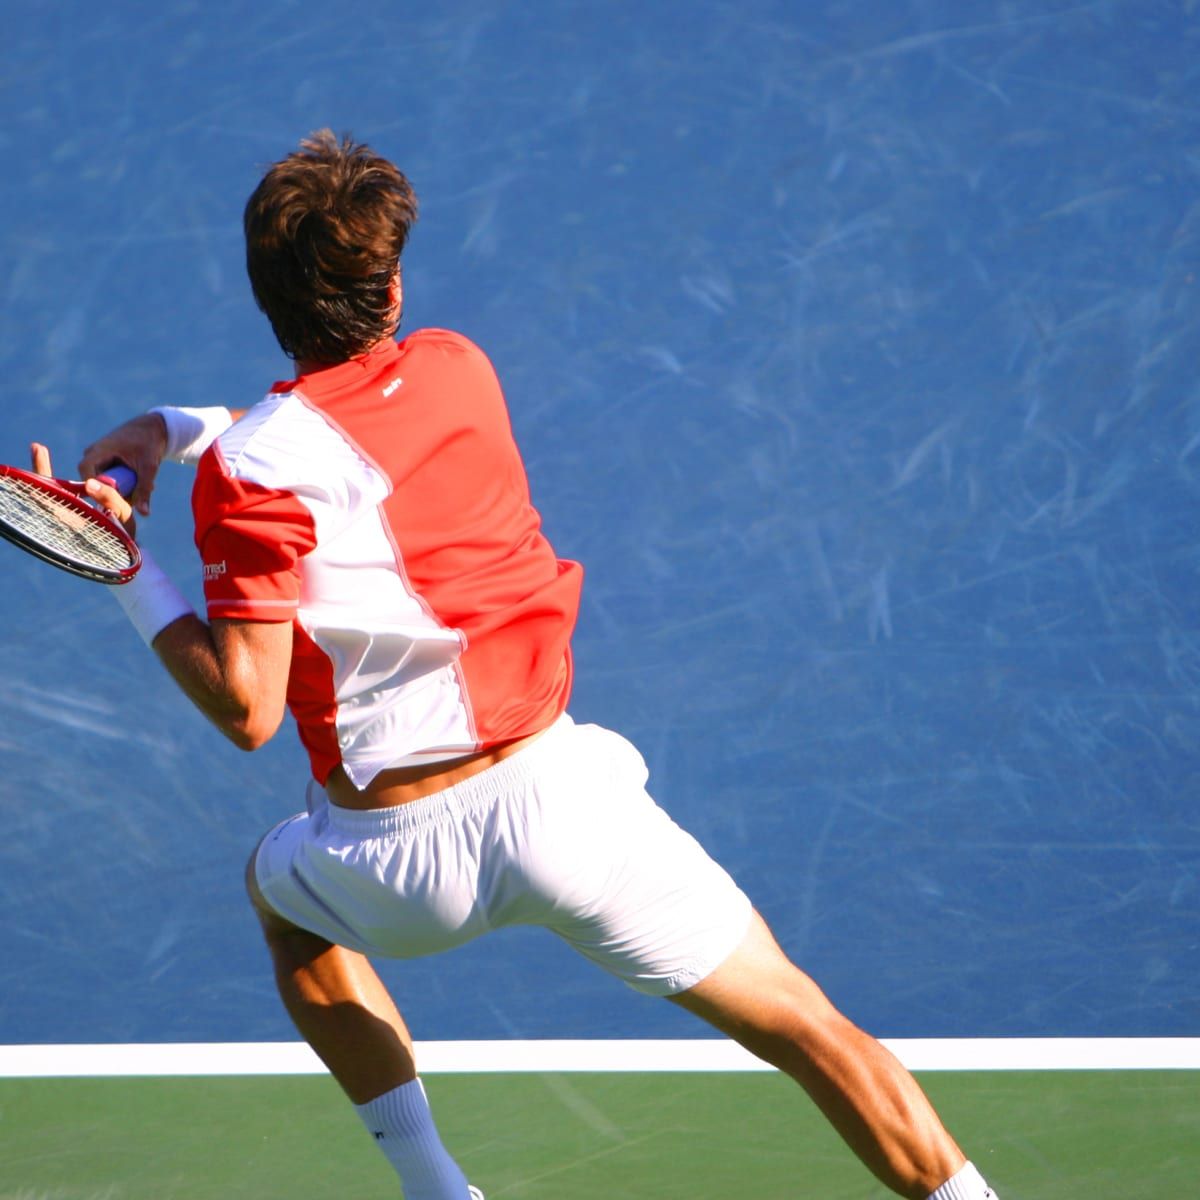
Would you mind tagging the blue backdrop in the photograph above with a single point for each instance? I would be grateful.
(853, 349)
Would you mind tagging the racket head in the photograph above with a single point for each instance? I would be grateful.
(50, 519)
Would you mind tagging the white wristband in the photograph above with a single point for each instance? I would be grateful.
(150, 600)
(190, 431)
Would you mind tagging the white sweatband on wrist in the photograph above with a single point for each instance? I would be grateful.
(150, 600)
(190, 431)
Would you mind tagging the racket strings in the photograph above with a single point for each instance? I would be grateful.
(58, 526)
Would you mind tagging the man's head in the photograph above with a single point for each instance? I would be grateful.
(324, 233)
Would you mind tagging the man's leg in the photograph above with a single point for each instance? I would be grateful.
(759, 998)
(341, 1008)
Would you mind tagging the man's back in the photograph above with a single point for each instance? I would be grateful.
(382, 505)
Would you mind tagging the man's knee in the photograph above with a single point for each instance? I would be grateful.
(759, 993)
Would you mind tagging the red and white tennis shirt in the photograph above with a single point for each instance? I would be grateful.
(381, 505)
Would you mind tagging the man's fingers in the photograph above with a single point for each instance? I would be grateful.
(140, 444)
(109, 499)
(145, 488)
(40, 458)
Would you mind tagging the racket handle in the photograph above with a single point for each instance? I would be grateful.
(121, 477)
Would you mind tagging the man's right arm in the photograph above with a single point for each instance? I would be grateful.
(235, 672)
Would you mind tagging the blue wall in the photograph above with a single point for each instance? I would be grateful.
(851, 346)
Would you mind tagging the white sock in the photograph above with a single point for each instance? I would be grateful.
(968, 1184)
(402, 1125)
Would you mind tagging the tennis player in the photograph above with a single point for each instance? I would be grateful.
(373, 563)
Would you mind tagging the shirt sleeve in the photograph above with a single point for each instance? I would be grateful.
(190, 431)
(251, 539)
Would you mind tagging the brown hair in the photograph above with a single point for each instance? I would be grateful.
(324, 231)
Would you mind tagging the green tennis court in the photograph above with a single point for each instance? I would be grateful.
(1049, 1135)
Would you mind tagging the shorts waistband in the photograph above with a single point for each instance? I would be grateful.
(454, 801)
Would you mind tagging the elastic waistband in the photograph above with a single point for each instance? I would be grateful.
(454, 801)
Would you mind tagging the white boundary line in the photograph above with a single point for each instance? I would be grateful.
(437, 1058)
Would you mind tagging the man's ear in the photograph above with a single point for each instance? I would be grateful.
(396, 293)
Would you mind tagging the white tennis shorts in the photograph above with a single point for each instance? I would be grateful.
(561, 834)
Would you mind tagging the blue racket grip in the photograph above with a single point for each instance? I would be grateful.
(121, 477)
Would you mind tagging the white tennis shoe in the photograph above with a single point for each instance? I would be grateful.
(475, 1193)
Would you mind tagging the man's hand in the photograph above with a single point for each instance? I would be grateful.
(141, 443)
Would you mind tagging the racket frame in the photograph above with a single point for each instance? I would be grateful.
(70, 493)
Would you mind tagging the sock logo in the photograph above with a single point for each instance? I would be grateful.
(378, 1134)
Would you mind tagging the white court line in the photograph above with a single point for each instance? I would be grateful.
(438, 1058)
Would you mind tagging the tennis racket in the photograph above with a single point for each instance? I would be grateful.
(50, 519)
